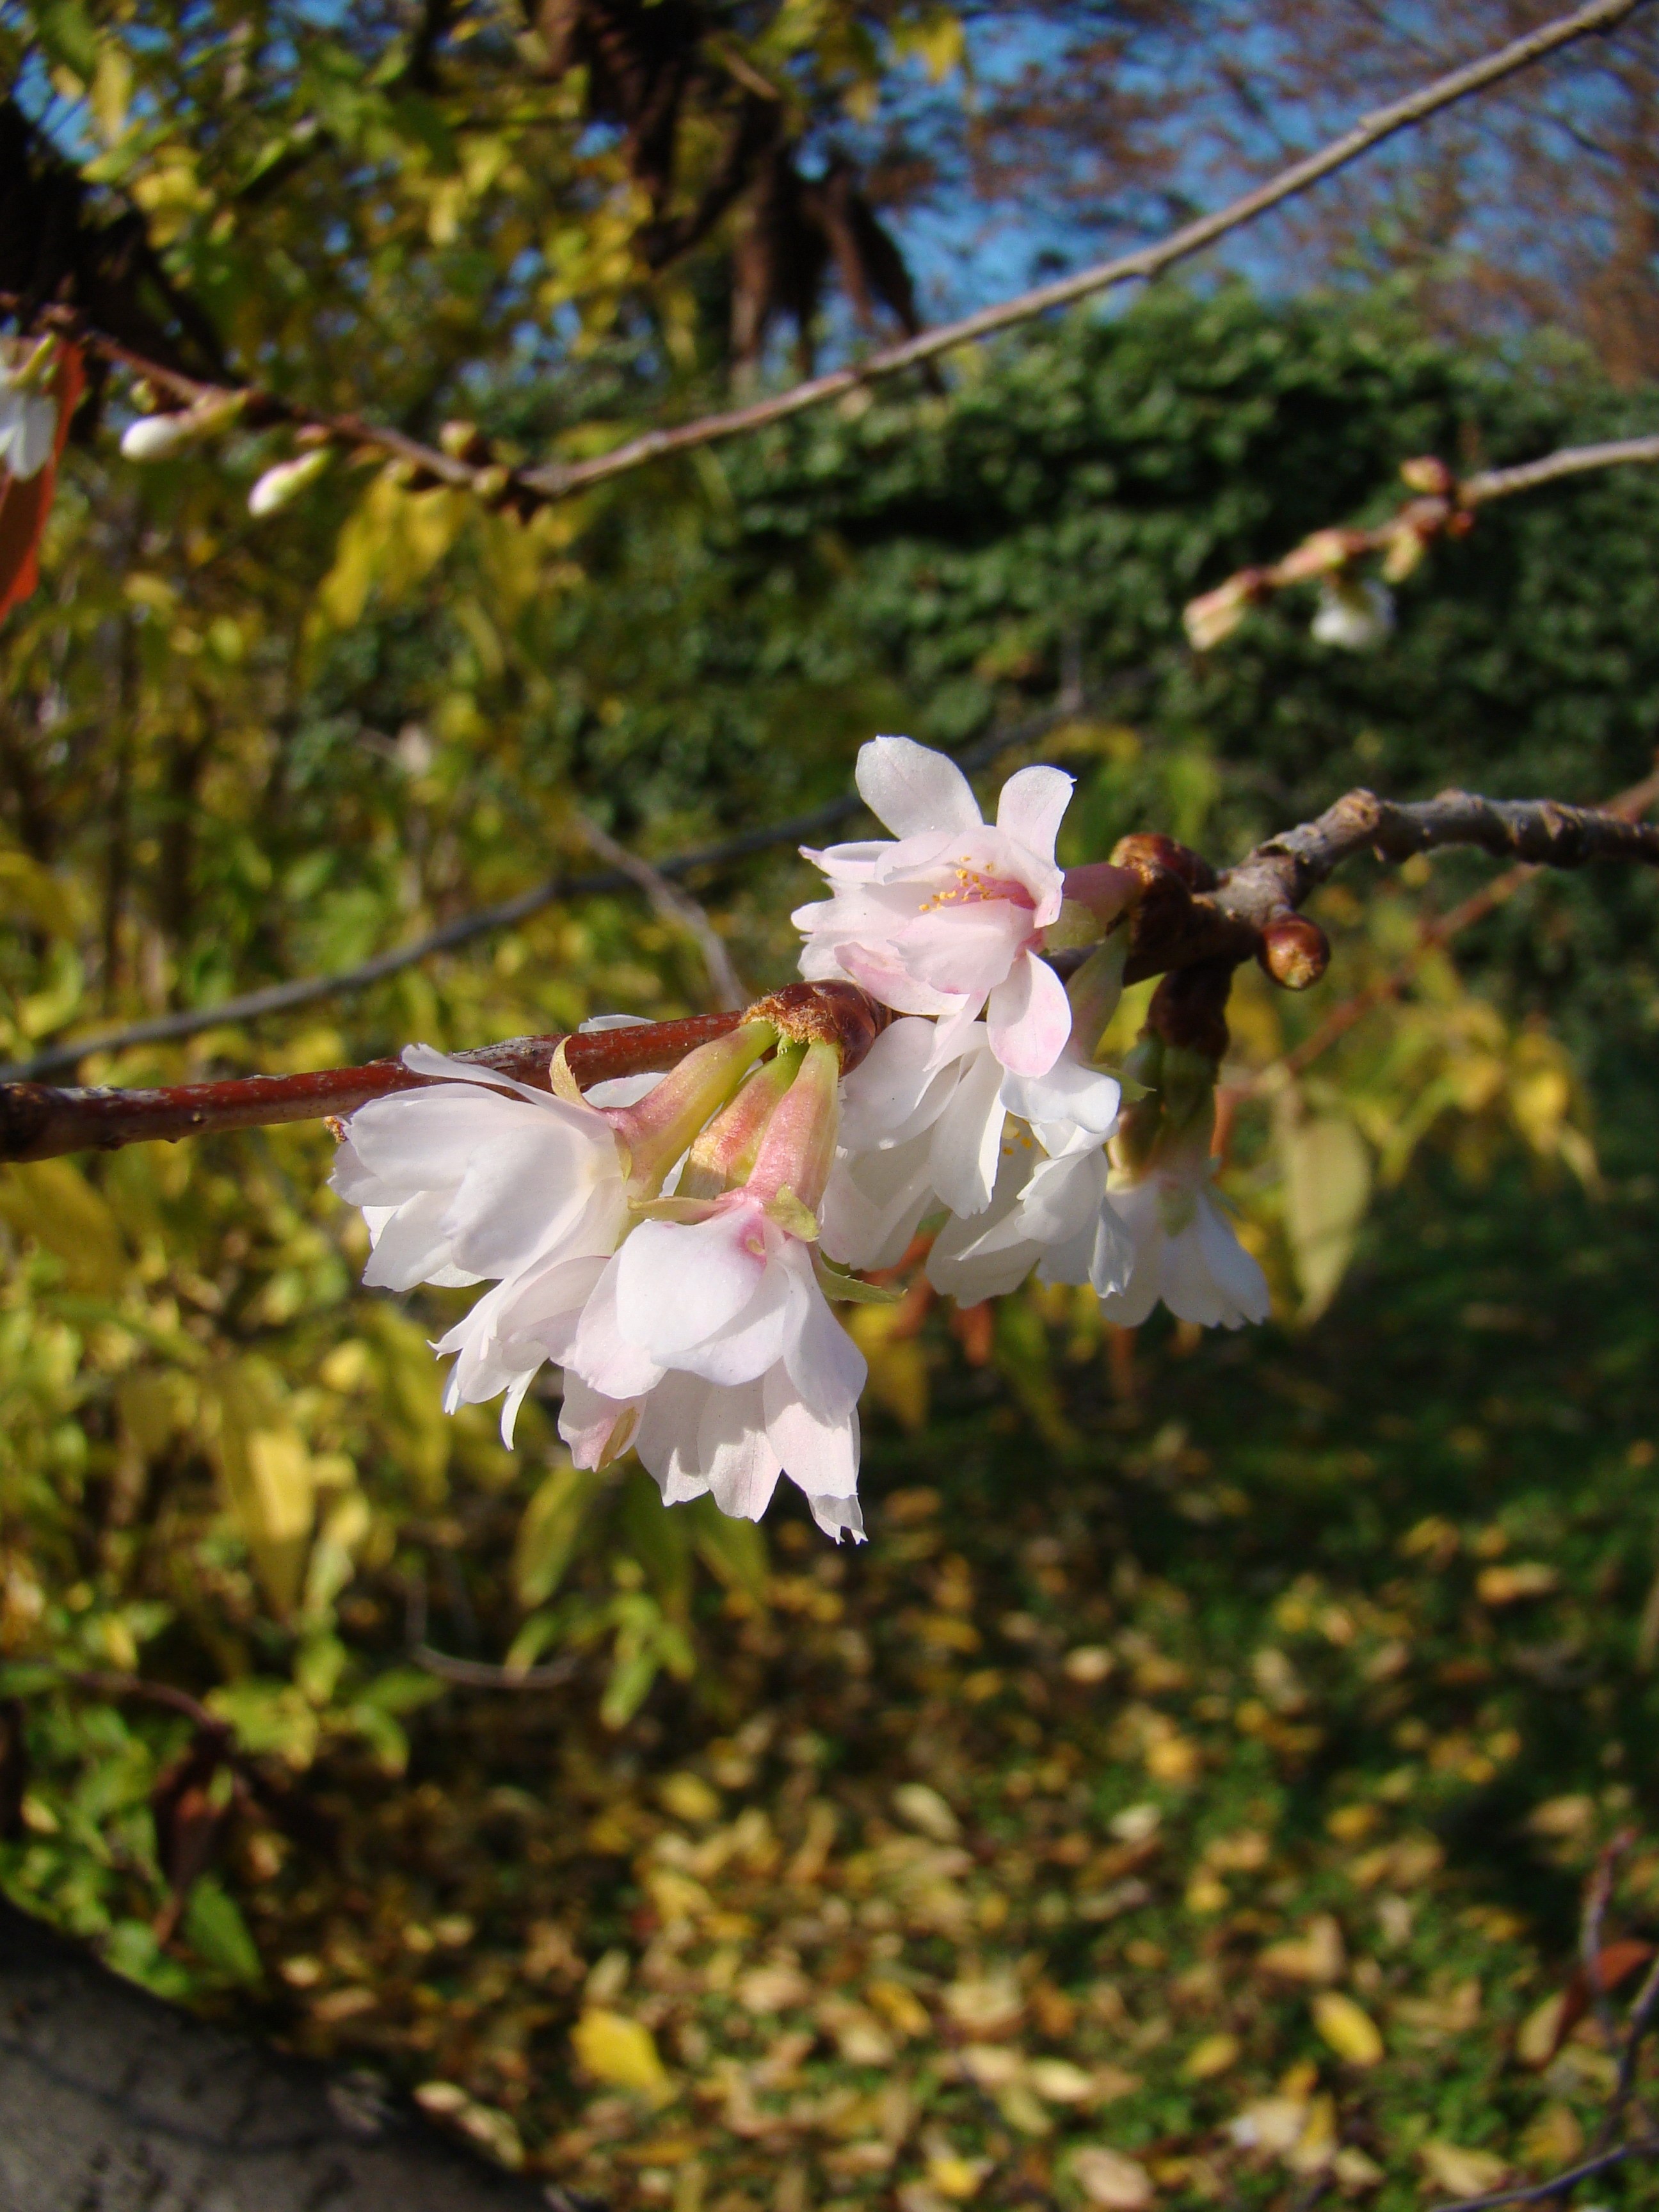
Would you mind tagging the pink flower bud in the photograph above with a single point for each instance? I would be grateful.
(657, 1129)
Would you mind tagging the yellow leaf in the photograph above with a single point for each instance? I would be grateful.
(1316, 1955)
(1354, 2171)
(52, 1202)
(1347, 2027)
(1211, 2055)
(919, 1806)
(621, 2053)
(265, 1469)
(902, 2008)
(1507, 1585)
(1107, 2178)
(1059, 2081)
(1555, 2140)
(1538, 2034)
(1327, 1187)
(47, 900)
(1462, 2172)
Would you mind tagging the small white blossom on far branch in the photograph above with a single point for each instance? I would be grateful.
(28, 409)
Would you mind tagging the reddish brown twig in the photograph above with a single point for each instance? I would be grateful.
(1187, 918)
(1629, 807)
(38, 1122)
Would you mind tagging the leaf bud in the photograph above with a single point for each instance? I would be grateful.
(1294, 951)
(1322, 554)
(284, 483)
(1427, 474)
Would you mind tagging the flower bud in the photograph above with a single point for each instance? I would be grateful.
(1355, 616)
(158, 436)
(799, 1147)
(284, 483)
(724, 1154)
(1105, 890)
(1324, 554)
(656, 1130)
(1216, 615)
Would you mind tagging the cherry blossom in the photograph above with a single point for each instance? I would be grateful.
(914, 1137)
(478, 1176)
(707, 1344)
(1048, 1212)
(947, 919)
(1185, 1250)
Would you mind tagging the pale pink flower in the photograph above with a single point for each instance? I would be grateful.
(948, 919)
(478, 1176)
(1048, 1212)
(1185, 1250)
(709, 1347)
(916, 1136)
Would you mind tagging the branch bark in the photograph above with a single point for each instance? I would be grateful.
(112, 2101)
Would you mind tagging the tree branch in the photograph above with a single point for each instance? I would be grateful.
(1187, 918)
(38, 1122)
(1445, 507)
(482, 470)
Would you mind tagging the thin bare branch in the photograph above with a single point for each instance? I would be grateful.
(1569, 461)
(1440, 929)
(486, 920)
(479, 469)
(1559, 2184)
(557, 479)
(678, 909)
(1445, 507)
(472, 1674)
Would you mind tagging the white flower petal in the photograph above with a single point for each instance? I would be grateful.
(913, 790)
(679, 1283)
(1030, 807)
(968, 1138)
(819, 1456)
(1029, 1018)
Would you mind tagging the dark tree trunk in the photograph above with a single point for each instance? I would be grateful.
(111, 2102)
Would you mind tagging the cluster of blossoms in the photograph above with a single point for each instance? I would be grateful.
(671, 1242)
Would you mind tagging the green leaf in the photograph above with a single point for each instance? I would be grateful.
(68, 34)
(848, 1288)
(552, 1523)
(215, 1929)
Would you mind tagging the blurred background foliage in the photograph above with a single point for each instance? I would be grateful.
(1162, 1647)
